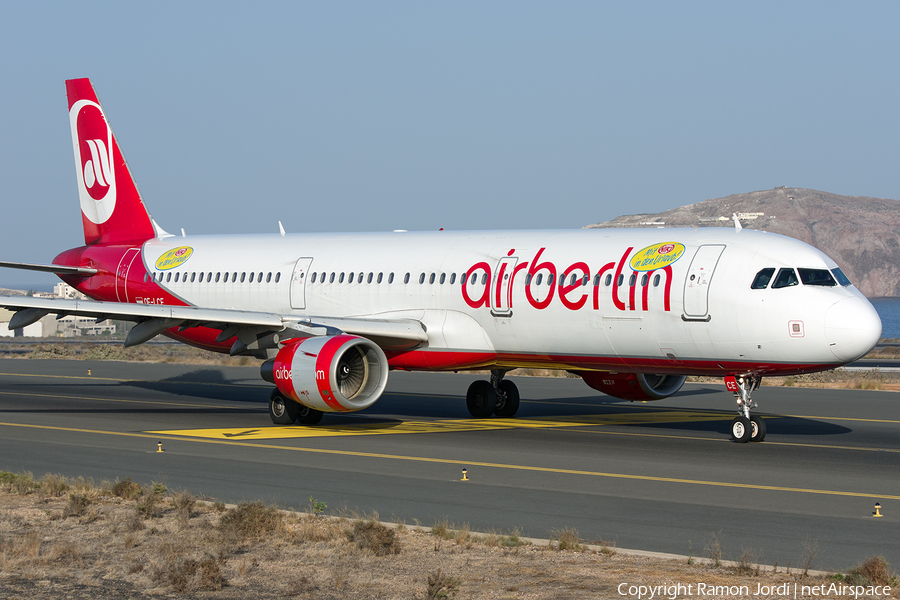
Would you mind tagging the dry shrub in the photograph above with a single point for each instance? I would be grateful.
(566, 539)
(127, 489)
(441, 529)
(875, 570)
(188, 575)
(440, 585)
(183, 503)
(77, 506)
(17, 483)
(63, 553)
(372, 536)
(748, 563)
(148, 506)
(312, 529)
(251, 521)
(54, 485)
(21, 548)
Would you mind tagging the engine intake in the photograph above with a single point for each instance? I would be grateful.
(337, 373)
(634, 386)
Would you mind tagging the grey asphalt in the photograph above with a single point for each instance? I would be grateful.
(658, 476)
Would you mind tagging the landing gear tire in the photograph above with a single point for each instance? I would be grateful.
(508, 400)
(757, 429)
(308, 416)
(283, 411)
(741, 430)
(481, 399)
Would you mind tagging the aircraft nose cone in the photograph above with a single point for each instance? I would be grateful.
(852, 328)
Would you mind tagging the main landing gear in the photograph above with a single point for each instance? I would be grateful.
(746, 428)
(285, 411)
(495, 397)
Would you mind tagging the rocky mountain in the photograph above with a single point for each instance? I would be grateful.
(861, 234)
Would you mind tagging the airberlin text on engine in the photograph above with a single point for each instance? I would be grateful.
(575, 284)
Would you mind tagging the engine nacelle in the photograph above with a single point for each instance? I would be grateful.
(634, 386)
(336, 373)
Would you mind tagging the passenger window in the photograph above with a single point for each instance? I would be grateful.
(380, 277)
(841, 278)
(620, 280)
(209, 277)
(314, 277)
(786, 277)
(631, 280)
(350, 278)
(176, 277)
(369, 279)
(277, 277)
(242, 277)
(656, 280)
(341, 278)
(259, 279)
(540, 278)
(484, 279)
(443, 277)
(234, 277)
(585, 279)
(762, 279)
(474, 279)
(331, 279)
(608, 280)
(193, 276)
(390, 278)
(269, 277)
(452, 278)
(431, 279)
(251, 277)
(406, 278)
(422, 278)
(551, 279)
(644, 280)
(817, 277)
(360, 278)
(217, 277)
(597, 280)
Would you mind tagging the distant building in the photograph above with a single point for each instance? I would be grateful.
(33, 330)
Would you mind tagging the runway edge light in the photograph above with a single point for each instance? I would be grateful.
(877, 512)
(465, 476)
(159, 447)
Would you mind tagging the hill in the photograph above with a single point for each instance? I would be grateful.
(862, 234)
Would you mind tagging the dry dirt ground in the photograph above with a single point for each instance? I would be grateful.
(70, 539)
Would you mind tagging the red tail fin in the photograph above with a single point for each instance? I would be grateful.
(111, 206)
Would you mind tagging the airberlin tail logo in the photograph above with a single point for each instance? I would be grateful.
(93, 145)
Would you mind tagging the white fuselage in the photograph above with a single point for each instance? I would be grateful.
(699, 313)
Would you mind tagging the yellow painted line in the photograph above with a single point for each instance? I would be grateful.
(721, 439)
(456, 462)
(442, 426)
(841, 419)
(121, 400)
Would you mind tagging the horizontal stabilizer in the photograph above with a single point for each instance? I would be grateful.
(58, 269)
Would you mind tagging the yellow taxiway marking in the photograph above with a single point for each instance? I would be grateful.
(456, 462)
(442, 426)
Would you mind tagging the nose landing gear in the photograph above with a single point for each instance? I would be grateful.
(746, 428)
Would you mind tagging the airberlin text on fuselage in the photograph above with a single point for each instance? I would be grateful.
(573, 295)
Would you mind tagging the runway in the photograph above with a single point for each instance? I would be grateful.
(658, 476)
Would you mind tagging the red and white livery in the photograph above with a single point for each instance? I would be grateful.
(631, 311)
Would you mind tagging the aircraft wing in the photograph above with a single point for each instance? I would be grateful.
(248, 326)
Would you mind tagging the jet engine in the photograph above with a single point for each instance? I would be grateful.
(634, 386)
(335, 373)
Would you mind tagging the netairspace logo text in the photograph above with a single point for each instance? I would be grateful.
(671, 591)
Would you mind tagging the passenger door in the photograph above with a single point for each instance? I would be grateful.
(298, 283)
(699, 277)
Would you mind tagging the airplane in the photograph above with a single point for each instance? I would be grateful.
(632, 311)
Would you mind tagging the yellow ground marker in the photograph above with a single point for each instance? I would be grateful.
(465, 476)
(877, 512)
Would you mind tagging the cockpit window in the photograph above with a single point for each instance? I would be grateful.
(762, 279)
(785, 278)
(841, 278)
(817, 277)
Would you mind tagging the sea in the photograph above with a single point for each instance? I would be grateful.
(889, 311)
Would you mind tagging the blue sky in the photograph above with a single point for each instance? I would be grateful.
(344, 116)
